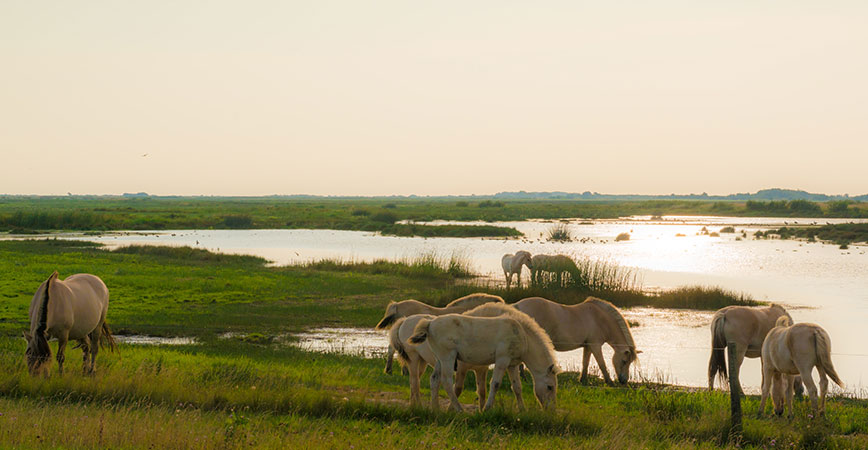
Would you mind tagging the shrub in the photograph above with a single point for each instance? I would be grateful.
(727, 230)
(559, 232)
(490, 204)
(238, 221)
(361, 212)
(385, 217)
(622, 237)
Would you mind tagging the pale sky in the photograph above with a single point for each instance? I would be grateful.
(432, 97)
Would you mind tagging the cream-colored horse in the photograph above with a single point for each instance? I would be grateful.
(790, 350)
(505, 341)
(557, 265)
(416, 357)
(589, 324)
(747, 328)
(511, 265)
(71, 309)
(396, 310)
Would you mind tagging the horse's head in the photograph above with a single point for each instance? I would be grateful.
(621, 360)
(545, 387)
(38, 353)
(390, 316)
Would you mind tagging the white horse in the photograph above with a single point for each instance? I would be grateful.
(747, 328)
(506, 341)
(589, 325)
(416, 357)
(405, 308)
(512, 265)
(790, 350)
(71, 309)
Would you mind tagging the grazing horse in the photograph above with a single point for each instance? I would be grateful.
(416, 357)
(554, 264)
(512, 265)
(71, 309)
(505, 341)
(405, 308)
(790, 350)
(589, 325)
(747, 328)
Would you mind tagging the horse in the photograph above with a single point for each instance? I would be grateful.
(417, 357)
(589, 325)
(71, 309)
(555, 264)
(790, 350)
(747, 328)
(405, 308)
(506, 341)
(512, 265)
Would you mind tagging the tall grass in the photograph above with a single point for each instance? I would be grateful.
(559, 232)
(424, 265)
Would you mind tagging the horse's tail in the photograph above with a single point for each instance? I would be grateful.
(396, 343)
(824, 356)
(107, 339)
(717, 363)
(420, 333)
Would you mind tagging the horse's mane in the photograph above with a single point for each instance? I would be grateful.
(615, 315)
(42, 350)
(527, 323)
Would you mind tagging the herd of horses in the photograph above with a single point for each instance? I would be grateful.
(479, 330)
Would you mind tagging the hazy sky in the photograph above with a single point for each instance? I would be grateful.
(432, 97)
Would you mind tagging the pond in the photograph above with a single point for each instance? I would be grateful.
(818, 282)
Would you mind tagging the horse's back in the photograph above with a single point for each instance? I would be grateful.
(473, 300)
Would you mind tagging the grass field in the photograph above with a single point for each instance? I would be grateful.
(30, 214)
(237, 393)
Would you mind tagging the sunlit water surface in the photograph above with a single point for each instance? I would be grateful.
(818, 282)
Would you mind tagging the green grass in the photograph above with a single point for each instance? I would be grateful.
(259, 392)
(25, 214)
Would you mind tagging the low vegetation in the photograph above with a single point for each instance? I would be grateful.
(559, 233)
(29, 214)
(258, 392)
(841, 234)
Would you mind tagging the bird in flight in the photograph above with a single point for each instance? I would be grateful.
(144, 155)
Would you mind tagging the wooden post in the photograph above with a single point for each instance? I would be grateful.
(734, 390)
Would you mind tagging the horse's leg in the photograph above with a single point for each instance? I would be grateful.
(740, 351)
(788, 379)
(480, 385)
(824, 387)
(460, 376)
(805, 372)
(515, 381)
(496, 379)
(518, 280)
(586, 361)
(390, 354)
(597, 350)
(447, 371)
(435, 386)
(415, 374)
(766, 387)
(61, 352)
(85, 349)
(95, 337)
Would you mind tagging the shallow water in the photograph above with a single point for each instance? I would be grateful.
(138, 339)
(818, 282)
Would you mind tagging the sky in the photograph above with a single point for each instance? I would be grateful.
(432, 98)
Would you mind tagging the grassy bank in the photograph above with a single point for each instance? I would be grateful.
(230, 394)
(27, 214)
(841, 234)
(255, 393)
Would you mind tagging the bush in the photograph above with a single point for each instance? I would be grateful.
(727, 230)
(239, 221)
(490, 204)
(361, 212)
(385, 217)
(560, 232)
(622, 237)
